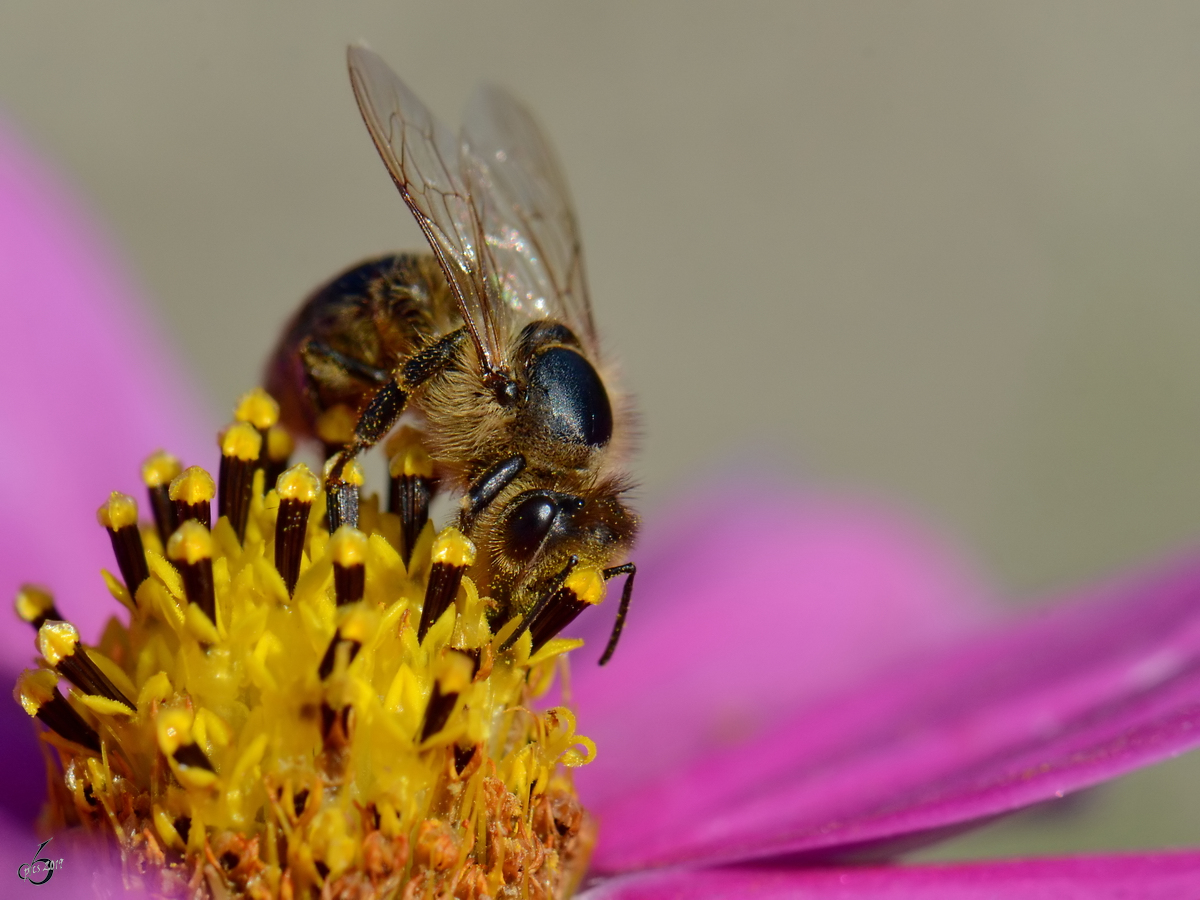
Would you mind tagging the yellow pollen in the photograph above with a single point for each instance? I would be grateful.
(32, 602)
(335, 426)
(279, 444)
(190, 543)
(242, 442)
(406, 455)
(263, 721)
(258, 408)
(453, 548)
(56, 641)
(193, 485)
(348, 546)
(352, 474)
(587, 583)
(160, 468)
(119, 511)
(299, 483)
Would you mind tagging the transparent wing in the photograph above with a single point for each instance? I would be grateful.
(425, 159)
(533, 247)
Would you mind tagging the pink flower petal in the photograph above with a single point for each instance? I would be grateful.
(1042, 708)
(89, 390)
(1151, 876)
(748, 605)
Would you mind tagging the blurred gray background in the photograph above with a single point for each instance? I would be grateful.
(943, 253)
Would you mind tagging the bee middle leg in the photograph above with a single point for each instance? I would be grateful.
(380, 416)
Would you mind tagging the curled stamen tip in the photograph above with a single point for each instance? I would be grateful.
(257, 408)
(586, 583)
(173, 728)
(453, 548)
(348, 547)
(119, 511)
(193, 485)
(160, 468)
(298, 483)
(57, 640)
(190, 543)
(34, 604)
(35, 688)
(240, 441)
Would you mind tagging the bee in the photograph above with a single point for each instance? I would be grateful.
(489, 341)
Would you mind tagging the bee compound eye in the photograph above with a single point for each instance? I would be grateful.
(530, 521)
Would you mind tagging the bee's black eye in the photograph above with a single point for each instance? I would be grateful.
(532, 518)
(567, 399)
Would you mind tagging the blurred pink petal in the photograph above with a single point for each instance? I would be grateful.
(1064, 700)
(89, 390)
(749, 605)
(1149, 876)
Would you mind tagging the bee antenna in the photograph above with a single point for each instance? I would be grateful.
(626, 595)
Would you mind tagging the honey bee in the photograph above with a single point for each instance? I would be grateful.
(489, 340)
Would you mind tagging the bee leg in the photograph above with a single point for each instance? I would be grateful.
(381, 414)
(487, 487)
(626, 595)
(314, 350)
(533, 619)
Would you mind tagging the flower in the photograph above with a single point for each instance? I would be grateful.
(803, 684)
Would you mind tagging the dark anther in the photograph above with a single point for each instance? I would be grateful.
(626, 595)
(183, 825)
(62, 718)
(191, 495)
(330, 657)
(191, 550)
(335, 725)
(444, 581)
(438, 711)
(290, 525)
(322, 869)
(58, 642)
(348, 582)
(241, 448)
(341, 501)
(299, 800)
(462, 758)
(119, 518)
(35, 605)
(190, 755)
(551, 597)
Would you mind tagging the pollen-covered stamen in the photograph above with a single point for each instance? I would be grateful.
(411, 487)
(297, 488)
(35, 605)
(173, 729)
(241, 446)
(452, 674)
(584, 587)
(58, 643)
(452, 555)
(119, 516)
(354, 631)
(38, 695)
(348, 549)
(341, 493)
(191, 494)
(158, 471)
(279, 452)
(191, 550)
(258, 409)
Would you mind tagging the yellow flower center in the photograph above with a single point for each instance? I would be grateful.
(290, 713)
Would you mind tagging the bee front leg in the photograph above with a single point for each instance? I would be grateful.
(380, 416)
